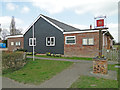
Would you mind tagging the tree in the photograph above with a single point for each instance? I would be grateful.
(13, 30)
(12, 26)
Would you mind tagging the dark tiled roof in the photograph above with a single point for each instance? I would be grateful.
(65, 27)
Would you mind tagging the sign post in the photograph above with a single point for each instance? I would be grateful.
(100, 25)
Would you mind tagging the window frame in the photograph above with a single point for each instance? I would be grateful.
(50, 41)
(70, 39)
(18, 43)
(87, 42)
(12, 43)
(32, 41)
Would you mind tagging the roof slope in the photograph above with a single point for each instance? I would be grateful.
(65, 27)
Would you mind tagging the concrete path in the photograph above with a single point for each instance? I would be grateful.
(71, 60)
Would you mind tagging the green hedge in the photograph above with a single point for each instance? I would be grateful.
(12, 61)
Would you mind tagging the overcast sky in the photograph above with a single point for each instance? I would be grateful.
(78, 13)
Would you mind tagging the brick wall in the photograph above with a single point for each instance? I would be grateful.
(81, 50)
(14, 47)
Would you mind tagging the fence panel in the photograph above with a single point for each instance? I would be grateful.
(111, 55)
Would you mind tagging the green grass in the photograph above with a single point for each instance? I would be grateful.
(38, 71)
(74, 58)
(93, 82)
(112, 67)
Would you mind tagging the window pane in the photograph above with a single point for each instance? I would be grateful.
(70, 41)
(12, 43)
(31, 41)
(84, 41)
(34, 41)
(91, 41)
(52, 41)
(70, 37)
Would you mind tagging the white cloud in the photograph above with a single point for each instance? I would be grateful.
(11, 6)
(80, 26)
(6, 20)
(113, 28)
(96, 7)
(25, 9)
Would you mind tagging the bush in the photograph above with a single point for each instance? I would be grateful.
(21, 50)
(48, 54)
(12, 61)
(31, 53)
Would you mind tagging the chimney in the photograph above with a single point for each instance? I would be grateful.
(90, 26)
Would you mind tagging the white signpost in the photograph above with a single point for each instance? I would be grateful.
(33, 43)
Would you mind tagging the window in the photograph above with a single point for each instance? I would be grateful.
(84, 41)
(70, 40)
(17, 43)
(88, 41)
(50, 41)
(32, 41)
(12, 43)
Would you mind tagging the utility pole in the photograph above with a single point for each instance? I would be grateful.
(33, 41)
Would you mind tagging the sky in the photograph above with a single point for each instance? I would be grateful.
(78, 13)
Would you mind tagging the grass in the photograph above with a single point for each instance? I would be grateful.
(93, 82)
(38, 71)
(74, 58)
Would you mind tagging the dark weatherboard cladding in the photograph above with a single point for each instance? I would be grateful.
(44, 29)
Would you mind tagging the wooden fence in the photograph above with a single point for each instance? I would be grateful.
(112, 55)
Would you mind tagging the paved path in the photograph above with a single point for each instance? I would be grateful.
(63, 79)
(71, 60)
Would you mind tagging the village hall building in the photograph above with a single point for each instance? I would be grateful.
(53, 36)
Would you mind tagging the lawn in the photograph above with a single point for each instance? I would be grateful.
(38, 71)
(93, 82)
(74, 58)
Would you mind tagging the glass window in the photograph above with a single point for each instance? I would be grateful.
(17, 43)
(90, 41)
(32, 41)
(84, 41)
(50, 41)
(12, 43)
(70, 40)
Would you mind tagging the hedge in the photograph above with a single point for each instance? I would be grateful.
(12, 61)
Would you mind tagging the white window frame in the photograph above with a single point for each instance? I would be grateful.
(17, 43)
(87, 41)
(12, 43)
(32, 41)
(70, 39)
(50, 41)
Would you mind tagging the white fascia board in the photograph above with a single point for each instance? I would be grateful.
(14, 36)
(45, 20)
(81, 31)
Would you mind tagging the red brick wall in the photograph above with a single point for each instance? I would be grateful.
(14, 47)
(80, 50)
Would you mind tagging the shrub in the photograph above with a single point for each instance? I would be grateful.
(21, 50)
(12, 61)
(31, 53)
(48, 54)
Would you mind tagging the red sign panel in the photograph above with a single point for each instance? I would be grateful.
(100, 22)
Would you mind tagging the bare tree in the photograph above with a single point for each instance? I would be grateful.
(12, 26)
